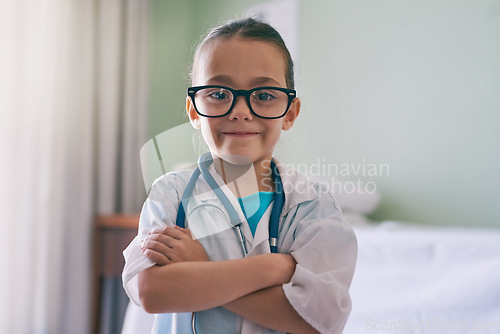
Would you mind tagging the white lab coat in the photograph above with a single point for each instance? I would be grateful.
(311, 230)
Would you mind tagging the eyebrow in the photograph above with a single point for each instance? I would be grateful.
(262, 80)
(224, 79)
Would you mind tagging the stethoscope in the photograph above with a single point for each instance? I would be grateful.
(204, 161)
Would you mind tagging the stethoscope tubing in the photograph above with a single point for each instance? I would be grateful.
(204, 162)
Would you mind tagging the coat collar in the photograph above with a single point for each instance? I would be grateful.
(298, 188)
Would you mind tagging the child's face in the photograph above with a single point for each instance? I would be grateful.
(242, 64)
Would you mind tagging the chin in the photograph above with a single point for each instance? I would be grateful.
(236, 159)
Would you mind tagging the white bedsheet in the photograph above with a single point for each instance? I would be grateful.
(414, 279)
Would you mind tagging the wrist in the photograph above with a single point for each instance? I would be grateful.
(280, 267)
(289, 264)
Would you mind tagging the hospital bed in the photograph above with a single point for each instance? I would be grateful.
(419, 279)
(416, 278)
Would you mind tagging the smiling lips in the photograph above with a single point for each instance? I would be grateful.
(241, 133)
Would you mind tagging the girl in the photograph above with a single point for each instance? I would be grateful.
(219, 276)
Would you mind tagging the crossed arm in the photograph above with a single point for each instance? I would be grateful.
(250, 287)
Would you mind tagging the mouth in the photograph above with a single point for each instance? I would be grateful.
(240, 133)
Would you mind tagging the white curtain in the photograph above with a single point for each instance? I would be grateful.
(72, 121)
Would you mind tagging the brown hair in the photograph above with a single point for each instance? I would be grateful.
(248, 28)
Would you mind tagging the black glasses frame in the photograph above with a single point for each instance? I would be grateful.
(241, 92)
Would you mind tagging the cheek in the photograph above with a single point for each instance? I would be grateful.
(207, 130)
(274, 131)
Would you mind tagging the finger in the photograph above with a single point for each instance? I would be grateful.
(165, 246)
(185, 230)
(176, 233)
(163, 256)
(174, 258)
(155, 246)
(158, 230)
(162, 238)
(157, 257)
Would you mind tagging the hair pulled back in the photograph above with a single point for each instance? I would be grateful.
(248, 28)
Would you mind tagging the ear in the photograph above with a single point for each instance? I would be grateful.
(194, 118)
(292, 114)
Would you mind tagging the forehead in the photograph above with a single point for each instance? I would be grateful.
(242, 63)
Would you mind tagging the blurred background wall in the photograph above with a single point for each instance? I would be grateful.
(409, 84)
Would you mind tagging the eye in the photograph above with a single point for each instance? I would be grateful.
(219, 94)
(263, 95)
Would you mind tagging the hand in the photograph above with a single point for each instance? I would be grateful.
(172, 244)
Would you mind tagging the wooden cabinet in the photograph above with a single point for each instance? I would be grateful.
(112, 234)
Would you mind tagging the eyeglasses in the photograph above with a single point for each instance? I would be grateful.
(264, 102)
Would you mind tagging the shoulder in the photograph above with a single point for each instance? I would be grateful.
(311, 209)
(169, 184)
(303, 191)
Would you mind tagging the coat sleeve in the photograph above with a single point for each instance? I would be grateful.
(159, 210)
(325, 249)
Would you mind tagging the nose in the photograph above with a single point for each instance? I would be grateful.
(241, 110)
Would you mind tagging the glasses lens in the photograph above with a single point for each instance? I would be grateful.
(269, 102)
(214, 101)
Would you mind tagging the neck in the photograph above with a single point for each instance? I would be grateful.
(246, 178)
